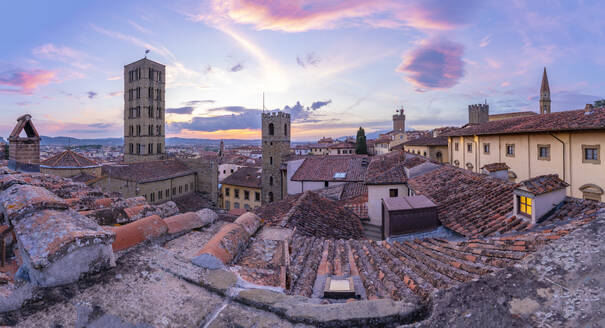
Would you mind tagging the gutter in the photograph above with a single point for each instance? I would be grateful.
(563, 144)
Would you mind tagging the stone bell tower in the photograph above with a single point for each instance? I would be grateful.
(276, 146)
(544, 95)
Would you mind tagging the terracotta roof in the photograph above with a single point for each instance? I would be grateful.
(542, 184)
(493, 167)
(312, 215)
(147, 171)
(324, 167)
(83, 177)
(469, 203)
(510, 115)
(244, 177)
(428, 141)
(344, 191)
(572, 120)
(386, 169)
(24, 122)
(68, 159)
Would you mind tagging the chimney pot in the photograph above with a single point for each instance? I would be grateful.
(588, 108)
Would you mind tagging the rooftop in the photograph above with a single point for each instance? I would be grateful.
(324, 167)
(147, 171)
(542, 184)
(428, 140)
(67, 160)
(386, 169)
(244, 177)
(494, 167)
(573, 120)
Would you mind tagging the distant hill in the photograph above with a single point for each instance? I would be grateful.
(69, 141)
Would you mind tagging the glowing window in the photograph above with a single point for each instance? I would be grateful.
(525, 205)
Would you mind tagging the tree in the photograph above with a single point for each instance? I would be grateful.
(599, 103)
(361, 147)
(5, 149)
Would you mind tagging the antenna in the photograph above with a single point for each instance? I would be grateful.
(263, 102)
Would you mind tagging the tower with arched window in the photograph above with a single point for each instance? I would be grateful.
(276, 146)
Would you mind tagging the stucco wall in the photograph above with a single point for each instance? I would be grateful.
(231, 199)
(375, 195)
(68, 173)
(294, 187)
(131, 189)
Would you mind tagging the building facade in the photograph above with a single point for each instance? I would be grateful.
(144, 111)
(242, 189)
(276, 146)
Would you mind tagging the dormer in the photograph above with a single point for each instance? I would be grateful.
(536, 197)
(496, 170)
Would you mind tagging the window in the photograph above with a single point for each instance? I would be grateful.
(158, 130)
(150, 148)
(150, 130)
(180, 190)
(131, 148)
(525, 205)
(227, 192)
(131, 130)
(456, 162)
(326, 184)
(285, 129)
(186, 188)
(257, 196)
(151, 73)
(270, 181)
(590, 154)
(510, 150)
(159, 148)
(160, 194)
(139, 93)
(158, 113)
(167, 193)
(456, 146)
(544, 152)
(173, 191)
(424, 154)
(246, 195)
(393, 192)
(138, 148)
(150, 93)
(486, 148)
(150, 111)
(271, 160)
(592, 192)
(236, 192)
(236, 205)
(227, 205)
(159, 76)
(271, 129)
(247, 207)
(138, 130)
(270, 196)
(469, 147)
(231, 170)
(159, 95)
(152, 197)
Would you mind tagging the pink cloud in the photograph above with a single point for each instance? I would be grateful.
(436, 64)
(25, 82)
(304, 15)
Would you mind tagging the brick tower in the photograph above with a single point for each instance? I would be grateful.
(144, 119)
(276, 146)
(399, 120)
(24, 151)
(544, 95)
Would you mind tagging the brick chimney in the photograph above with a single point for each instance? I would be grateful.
(24, 152)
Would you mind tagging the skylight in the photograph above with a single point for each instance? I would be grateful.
(340, 175)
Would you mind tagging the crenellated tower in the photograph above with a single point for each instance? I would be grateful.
(276, 146)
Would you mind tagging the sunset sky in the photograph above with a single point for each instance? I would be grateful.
(334, 65)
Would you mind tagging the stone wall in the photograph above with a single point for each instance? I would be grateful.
(24, 154)
(276, 147)
(206, 176)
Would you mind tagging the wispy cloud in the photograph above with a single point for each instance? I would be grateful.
(198, 102)
(309, 59)
(139, 27)
(116, 93)
(180, 110)
(63, 54)
(299, 16)
(25, 82)
(159, 49)
(435, 64)
(114, 78)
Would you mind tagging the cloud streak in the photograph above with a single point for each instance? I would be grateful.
(180, 110)
(305, 15)
(25, 82)
(435, 64)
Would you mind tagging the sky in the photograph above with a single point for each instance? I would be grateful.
(333, 65)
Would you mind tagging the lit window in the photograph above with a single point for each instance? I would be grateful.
(525, 205)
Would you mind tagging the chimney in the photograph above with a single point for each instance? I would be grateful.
(588, 109)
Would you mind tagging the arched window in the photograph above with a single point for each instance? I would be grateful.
(270, 181)
(591, 191)
(271, 129)
(285, 129)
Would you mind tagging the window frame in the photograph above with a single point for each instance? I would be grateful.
(393, 192)
(597, 148)
(486, 148)
(547, 156)
(512, 146)
(525, 205)
(469, 147)
(456, 146)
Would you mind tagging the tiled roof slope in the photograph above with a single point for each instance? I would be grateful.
(323, 168)
(493, 167)
(410, 270)
(147, 171)
(428, 141)
(313, 215)
(560, 121)
(68, 159)
(386, 169)
(469, 203)
(244, 177)
(542, 184)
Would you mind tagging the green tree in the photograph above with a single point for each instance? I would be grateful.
(5, 151)
(361, 147)
(599, 103)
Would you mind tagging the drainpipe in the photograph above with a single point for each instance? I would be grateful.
(528, 158)
(562, 144)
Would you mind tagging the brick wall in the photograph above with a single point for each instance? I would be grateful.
(24, 154)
